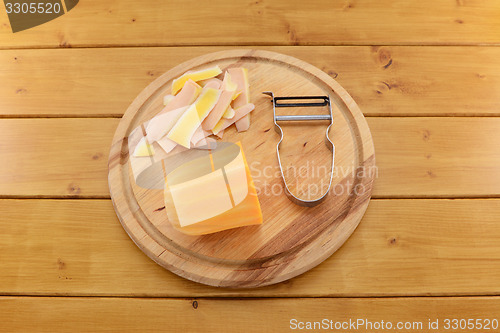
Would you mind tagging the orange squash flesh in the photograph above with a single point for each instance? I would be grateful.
(243, 212)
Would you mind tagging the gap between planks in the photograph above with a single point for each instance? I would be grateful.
(239, 298)
(381, 115)
(131, 46)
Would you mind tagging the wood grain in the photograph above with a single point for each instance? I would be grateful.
(432, 156)
(384, 81)
(416, 157)
(44, 157)
(215, 315)
(275, 251)
(401, 248)
(126, 23)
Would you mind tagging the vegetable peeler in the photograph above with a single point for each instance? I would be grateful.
(306, 101)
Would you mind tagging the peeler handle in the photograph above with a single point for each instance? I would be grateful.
(323, 101)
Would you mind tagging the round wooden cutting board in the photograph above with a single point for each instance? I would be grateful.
(292, 238)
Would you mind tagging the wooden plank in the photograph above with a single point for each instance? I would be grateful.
(176, 22)
(55, 157)
(436, 157)
(383, 80)
(401, 248)
(56, 314)
(416, 157)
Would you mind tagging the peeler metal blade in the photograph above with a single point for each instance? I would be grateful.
(311, 102)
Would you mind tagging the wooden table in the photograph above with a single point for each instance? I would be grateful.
(425, 73)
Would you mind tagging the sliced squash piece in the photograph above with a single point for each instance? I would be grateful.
(200, 75)
(167, 99)
(228, 83)
(239, 113)
(240, 76)
(218, 111)
(220, 134)
(229, 113)
(199, 135)
(206, 143)
(212, 83)
(236, 95)
(243, 124)
(161, 124)
(143, 149)
(166, 144)
(188, 94)
(187, 124)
